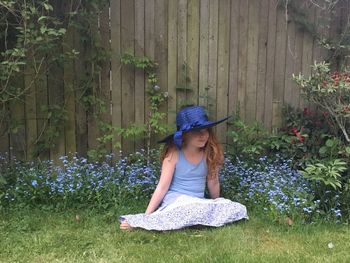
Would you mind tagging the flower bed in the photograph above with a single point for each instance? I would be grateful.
(271, 187)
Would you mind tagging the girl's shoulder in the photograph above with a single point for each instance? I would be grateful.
(172, 156)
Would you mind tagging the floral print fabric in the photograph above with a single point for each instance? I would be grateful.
(182, 210)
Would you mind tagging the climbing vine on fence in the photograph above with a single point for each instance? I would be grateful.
(31, 39)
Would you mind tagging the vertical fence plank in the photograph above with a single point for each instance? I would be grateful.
(204, 99)
(233, 67)
(69, 94)
(161, 54)
(242, 56)
(299, 35)
(128, 72)
(345, 18)
(116, 71)
(270, 63)
(315, 48)
(56, 95)
(319, 16)
(17, 135)
(213, 53)
(193, 47)
(30, 106)
(252, 61)
(93, 73)
(290, 61)
(262, 52)
(105, 93)
(140, 94)
(280, 67)
(149, 46)
(56, 99)
(41, 98)
(323, 22)
(223, 66)
(4, 135)
(334, 30)
(17, 115)
(172, 60)
(332, 33)
(307, 52)
(81, 133)
(182, 52)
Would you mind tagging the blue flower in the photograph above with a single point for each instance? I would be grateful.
(34, 183)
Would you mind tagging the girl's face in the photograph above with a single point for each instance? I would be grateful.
(197, 138)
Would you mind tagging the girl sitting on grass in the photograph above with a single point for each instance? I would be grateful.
(191, 160)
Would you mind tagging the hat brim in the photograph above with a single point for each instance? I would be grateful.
(206, 125)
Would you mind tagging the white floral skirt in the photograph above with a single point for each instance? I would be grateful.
(179, 210)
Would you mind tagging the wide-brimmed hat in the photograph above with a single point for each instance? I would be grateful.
(188, 119)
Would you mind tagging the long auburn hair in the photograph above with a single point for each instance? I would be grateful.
(212, 150)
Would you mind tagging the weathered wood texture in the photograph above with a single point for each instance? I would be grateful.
(232, 55)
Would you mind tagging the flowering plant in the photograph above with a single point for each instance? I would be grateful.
(77, 181)
(331, 91)
(278, 190)
(271, 186)
(268, 186)
(309, 134)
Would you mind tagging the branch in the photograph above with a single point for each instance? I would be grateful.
(338, 121)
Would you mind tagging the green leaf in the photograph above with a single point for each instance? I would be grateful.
(43, 29)
(62, 31)
(48, 7)
(42, 18)
(322, 150)
(347, 149)
(330, 143)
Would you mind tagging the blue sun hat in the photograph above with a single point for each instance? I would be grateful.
(188, 119)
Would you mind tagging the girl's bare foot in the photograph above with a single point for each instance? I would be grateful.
(125, 225)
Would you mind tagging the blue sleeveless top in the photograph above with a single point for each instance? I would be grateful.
(189, 178)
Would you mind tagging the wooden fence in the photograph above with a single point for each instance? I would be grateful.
(238, 54)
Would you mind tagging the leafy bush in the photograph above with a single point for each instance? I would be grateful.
(306, 134)
(330, 184)
(245, 140)
(330, 91)
(328, 160)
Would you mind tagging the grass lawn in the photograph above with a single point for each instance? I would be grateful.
(41, 236)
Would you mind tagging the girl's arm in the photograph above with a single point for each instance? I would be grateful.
(213, 186)
(166, 176)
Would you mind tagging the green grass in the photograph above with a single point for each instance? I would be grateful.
(41, 236)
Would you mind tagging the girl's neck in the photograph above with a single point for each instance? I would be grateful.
(191, 149)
